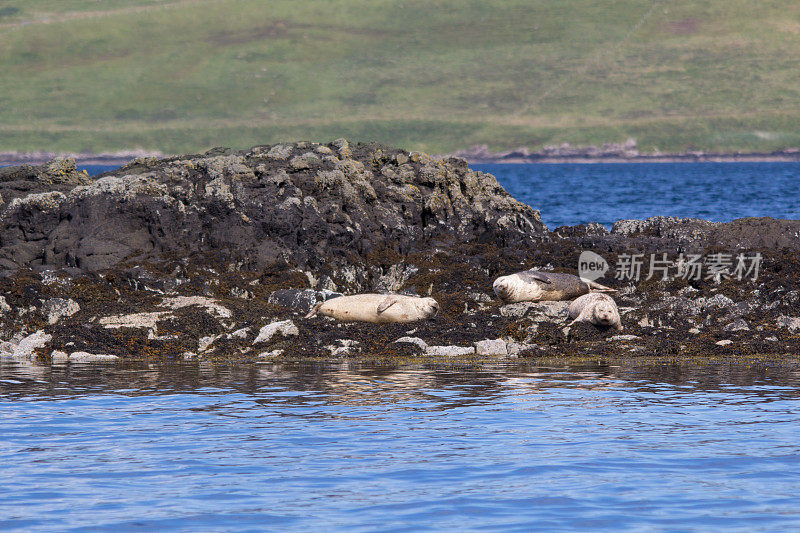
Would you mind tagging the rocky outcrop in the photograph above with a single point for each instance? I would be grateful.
(221, 255)
(320, 207)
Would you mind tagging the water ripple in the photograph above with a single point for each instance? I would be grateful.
(512, 447)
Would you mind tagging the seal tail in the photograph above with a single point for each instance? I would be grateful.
(313, 312)
(596, 287)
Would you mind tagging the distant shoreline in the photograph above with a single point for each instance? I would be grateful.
(475, 155)
(119, 158)
(672, 158)
(619, 153)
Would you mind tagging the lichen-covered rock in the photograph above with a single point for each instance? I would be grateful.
(56, 308)
(789, 322)
(449, 351)
(416, 341)
(283, 327)
(491, 347)
(289, 204)
(28, 345)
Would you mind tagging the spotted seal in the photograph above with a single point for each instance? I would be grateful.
(377, 308)
(596, 308)
(534, 286)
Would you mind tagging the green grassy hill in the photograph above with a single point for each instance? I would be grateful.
(422, 74)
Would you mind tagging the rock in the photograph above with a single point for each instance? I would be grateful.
(134, 320)
(85, 357)
(771, 338)
(59, 357)
(738, 325)
(724, 342)
(539, 311)
(204, 342)
(283, 327)
(414, 340)
(716, 301)
(624, 338)
(300, 299)
(4, 307)
(26, 347)
(272, 353)
(209, 304)
(449, 351)
(516, 348)
(239, 333)
(264, 207)
(56, 308)
(790, 322)
(491, 347)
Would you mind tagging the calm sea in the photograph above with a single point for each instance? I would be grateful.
(568, 194)
(512, 446)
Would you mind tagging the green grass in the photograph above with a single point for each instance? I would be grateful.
(184, 75)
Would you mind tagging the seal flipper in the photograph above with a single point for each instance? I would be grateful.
(596, 287)
(583, 316)
(313, 312)
(387, 302)
(531, 275)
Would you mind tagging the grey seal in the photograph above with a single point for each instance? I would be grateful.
(535, 285)
(377, 308)
(596, 308)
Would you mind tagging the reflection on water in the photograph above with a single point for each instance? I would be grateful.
(353, 446)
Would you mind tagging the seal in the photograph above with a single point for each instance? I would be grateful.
(377, 308)
(596, 308)
(534, 286)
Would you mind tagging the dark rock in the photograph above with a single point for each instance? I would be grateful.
(254, 207)
(300, 299)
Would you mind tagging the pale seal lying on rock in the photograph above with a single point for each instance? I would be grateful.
(377, 308)
(534, 286)
(596, 308)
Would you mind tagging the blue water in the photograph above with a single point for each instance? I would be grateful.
(341, 447)
(568, 194)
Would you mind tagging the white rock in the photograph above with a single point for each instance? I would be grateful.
(491, 347)
(284, 327)
(7, 348)
(540, 311)
(4, 307)
(204, 342)
(26, 347)
(450, 351)
(724, 342)
(239, 333)
(624, 338)
(694, 330)
(771, 339)
(737, 325)
(273, 353)
(414, 340)
(58, 308)
(515, 348)
(59, 357)
(86, 357)
(790, 322)
(133, 320)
